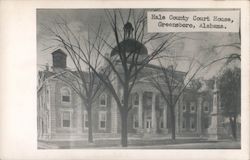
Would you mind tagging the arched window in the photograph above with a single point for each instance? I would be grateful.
(136, 99)
(65, 94)
(103, 100)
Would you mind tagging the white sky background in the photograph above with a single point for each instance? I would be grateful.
(197, 45)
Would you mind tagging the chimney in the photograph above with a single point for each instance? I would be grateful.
(59, 59)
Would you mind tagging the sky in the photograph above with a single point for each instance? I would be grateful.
(195, 44)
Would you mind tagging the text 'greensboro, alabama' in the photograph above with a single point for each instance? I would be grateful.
(201, 21)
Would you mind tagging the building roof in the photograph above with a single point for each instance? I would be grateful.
(59, 51)
(43, 75)
(130, 46)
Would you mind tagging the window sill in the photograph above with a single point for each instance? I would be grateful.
(103, 106)
(102, 128)
(65, 103)
(66, 128)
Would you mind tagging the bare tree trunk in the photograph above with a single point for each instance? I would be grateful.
(172, 122)
(124, 116)
(90, 132)
(124, 130)
(233, 126)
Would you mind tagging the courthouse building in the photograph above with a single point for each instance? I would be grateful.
(62, 115)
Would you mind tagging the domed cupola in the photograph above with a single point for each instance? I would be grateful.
(129, 44)
(128, 30)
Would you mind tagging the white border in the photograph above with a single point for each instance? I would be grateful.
(18, 83)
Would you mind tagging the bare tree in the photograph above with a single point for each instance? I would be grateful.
(82, 52)
(128, 57)
(236, 45)
(172, 83)
(232, 56)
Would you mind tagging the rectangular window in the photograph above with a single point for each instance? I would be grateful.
(136, 102)
(135, 121)
(184, 124)
(148, 123)
(206, 109)
(66, 119)
(102, 120)
(192, 124)
(85, 120)
(65, 98)
(206, 122)
(136, 99)
(184, 108)
(161, 123)
(192, 107)
(103, 100)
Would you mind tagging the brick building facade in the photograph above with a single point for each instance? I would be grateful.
(62, 115)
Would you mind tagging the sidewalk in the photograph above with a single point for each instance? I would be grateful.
(145, 143)
(203, 145)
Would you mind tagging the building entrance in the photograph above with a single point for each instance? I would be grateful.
(148, 125)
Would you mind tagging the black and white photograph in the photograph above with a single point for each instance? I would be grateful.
(138, 78)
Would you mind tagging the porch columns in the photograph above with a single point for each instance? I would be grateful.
(114, 107)
(153, 117)
(199, 109)
(140, 109)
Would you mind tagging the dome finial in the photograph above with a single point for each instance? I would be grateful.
(128, 30)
